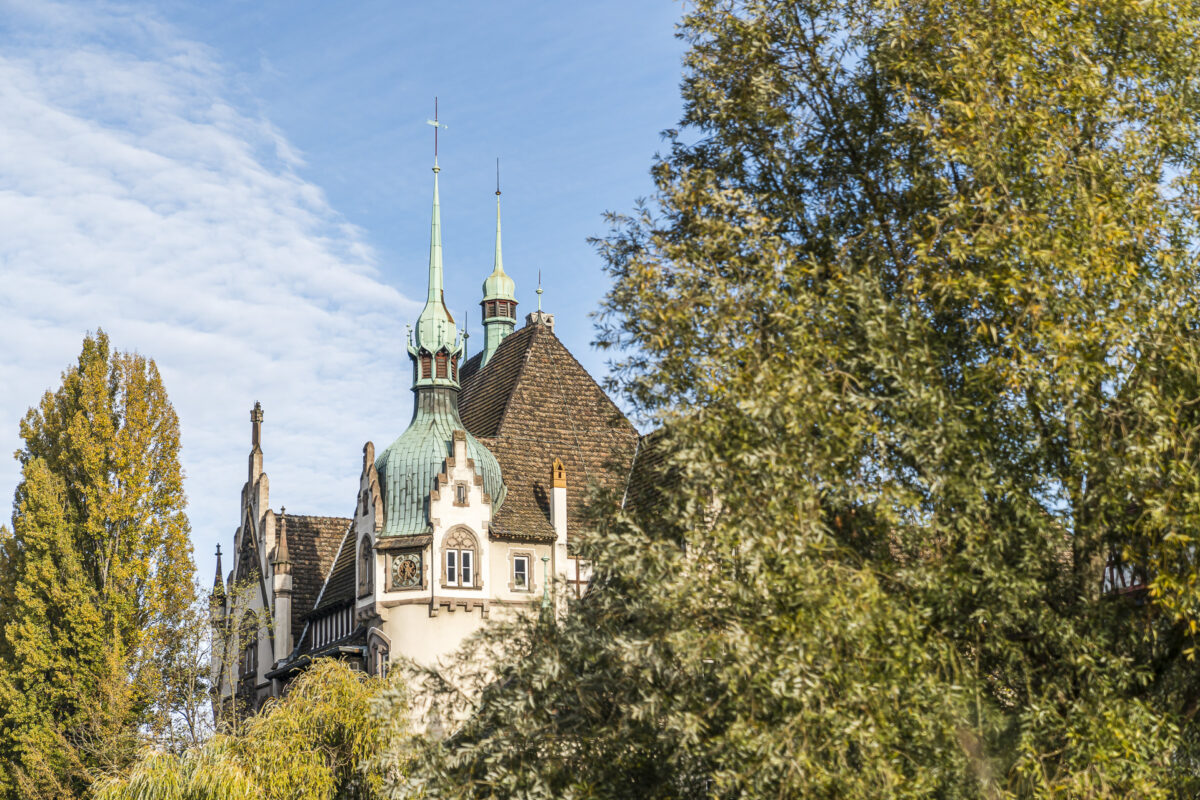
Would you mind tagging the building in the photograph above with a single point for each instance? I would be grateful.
(471, 512)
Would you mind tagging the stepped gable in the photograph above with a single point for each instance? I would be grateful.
(532, 403)
(312, 546)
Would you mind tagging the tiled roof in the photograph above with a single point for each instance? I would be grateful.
(484, 396)
(312, 546)
(532, 403)
(339, 588)
(648, 476)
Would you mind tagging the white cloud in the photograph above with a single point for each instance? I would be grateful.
(136, 196)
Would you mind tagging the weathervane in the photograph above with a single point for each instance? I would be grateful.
(436, 125)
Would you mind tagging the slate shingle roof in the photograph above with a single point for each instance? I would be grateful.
(535, 402)
(312, 546)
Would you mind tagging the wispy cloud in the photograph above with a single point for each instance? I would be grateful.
(138, 194)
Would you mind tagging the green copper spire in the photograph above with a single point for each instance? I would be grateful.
(436, 347)
(499, 295)
(409, 467)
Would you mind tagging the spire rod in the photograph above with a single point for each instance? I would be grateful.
(436, 125)
(539, 290)
(497, 176)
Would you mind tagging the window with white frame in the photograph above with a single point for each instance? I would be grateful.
(459, 559)
(521, 573)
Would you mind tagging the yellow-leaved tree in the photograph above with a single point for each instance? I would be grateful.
(95, 576)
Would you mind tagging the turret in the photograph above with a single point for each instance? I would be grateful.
(408, 468)
(499, 296)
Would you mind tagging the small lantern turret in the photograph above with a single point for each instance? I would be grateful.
(499, 296)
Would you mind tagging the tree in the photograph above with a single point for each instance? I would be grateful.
(95, 578)
(916, 306)
(319, 742)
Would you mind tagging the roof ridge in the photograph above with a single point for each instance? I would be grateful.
(318, 516)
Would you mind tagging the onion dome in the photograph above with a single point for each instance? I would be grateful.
(409, 467)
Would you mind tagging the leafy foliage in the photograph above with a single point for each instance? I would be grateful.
(915, 305)
(317, 743)
(95, 577)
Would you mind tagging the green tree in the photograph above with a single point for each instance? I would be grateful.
(318, 743)
(916, 304)
(95, 577)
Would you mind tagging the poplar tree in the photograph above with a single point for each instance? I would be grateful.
(915, 304)
(95, 576)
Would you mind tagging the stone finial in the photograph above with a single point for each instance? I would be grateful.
(540, 318)
(281, 550)
(218, 583)
(256, 418)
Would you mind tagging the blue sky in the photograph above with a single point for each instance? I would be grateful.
(241, 191)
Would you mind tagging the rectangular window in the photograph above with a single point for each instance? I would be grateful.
(521, 572)
(426, 367)
(441, 365)
(452, 567)
(466, 567)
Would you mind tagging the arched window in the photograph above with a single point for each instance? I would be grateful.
(366, 567)
(460, 559)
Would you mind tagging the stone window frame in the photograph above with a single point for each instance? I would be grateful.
(462, 486)
(451, 542)
(423, 583)
(365, 561)
(531, 557)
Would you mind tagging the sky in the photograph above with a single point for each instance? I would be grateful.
(241, 191)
